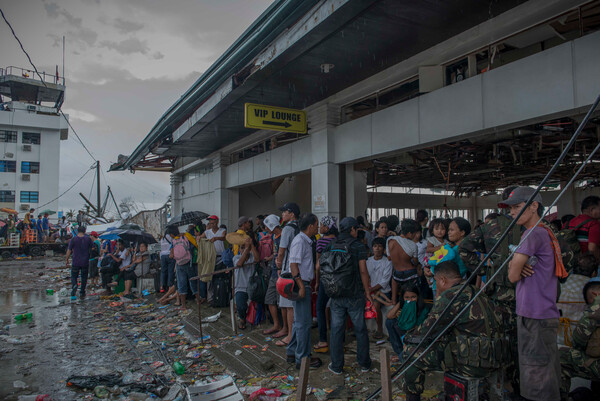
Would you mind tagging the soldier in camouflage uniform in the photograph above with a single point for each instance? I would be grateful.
(469, 348)
(501, 291)
(575, 362)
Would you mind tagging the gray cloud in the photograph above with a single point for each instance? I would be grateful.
(54, 11)
(127, 46)
(125, 26)
(158, 56)
(80, 34)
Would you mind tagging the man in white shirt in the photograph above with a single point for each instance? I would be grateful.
(215, 235)
(302, 268)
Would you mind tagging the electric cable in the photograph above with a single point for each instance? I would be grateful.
(402, 369)
(71, 187)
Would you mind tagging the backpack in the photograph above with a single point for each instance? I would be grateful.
(181, 251)
(569, 245)
(339, 271)
(265, 246)
(257, 286)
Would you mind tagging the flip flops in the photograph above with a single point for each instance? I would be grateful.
(281, 343)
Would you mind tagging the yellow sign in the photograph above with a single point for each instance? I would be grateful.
(259, 116)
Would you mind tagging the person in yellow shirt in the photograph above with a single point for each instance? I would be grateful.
(244, 227)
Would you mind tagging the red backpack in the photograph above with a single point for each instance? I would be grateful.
(265, 246)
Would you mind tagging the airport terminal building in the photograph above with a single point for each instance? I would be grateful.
(407, 105)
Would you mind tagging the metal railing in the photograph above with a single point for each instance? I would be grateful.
(30, 74)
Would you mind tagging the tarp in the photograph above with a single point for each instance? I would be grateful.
(100, 228)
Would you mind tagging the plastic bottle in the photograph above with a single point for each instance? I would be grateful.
(63, 292)
(23, 316)
(178, 368)
(532, 259)
(49, 291)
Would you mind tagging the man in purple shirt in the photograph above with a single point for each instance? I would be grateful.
(533, 269)
(79, 246)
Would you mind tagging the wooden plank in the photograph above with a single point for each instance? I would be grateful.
(386, 377)
(303, 379)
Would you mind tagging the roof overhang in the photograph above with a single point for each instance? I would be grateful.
(277, 62)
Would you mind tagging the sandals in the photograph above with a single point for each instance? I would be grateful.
(281, 343)
(241, 324)
(320, 348)
(378, 335)
(280, 335)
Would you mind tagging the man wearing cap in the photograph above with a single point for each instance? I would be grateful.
(215, 235)
(271, 222)
(534, 268)
(289, 214)
(353, 307)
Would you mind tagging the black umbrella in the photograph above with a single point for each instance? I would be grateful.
(131, 226)
(136, 236)
(187, 218)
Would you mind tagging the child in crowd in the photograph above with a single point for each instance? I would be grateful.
(380, 272)
(435, 241)
(408, 313)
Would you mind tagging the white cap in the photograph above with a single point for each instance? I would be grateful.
(271, 221)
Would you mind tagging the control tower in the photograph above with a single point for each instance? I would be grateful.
(31, 128)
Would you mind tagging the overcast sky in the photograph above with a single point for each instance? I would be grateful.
(127, 61)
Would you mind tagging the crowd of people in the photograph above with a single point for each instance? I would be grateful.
(413, 277)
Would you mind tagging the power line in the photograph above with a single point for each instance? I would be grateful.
(71, 187)
(43, 82)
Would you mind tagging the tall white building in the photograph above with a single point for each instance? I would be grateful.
(31, 129)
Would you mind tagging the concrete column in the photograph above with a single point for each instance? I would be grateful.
(175, 194)
(226, 201)
(356, 192)
(325, 174)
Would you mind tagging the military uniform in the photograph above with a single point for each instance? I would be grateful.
(470, 348)
(574, 361)
(501, 291)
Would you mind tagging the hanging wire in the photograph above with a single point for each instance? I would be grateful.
(71, 187)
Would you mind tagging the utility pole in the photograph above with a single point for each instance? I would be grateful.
(99, 209)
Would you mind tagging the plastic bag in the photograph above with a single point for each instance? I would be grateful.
(370, 312)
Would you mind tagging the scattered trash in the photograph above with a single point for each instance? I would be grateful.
(50, 291)
(19, 384)
(211, 319)
(178, 368)
(238, 352)
(101, 392)
(93, 381)
(24, 316)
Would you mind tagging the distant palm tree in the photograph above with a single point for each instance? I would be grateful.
(70, 214)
